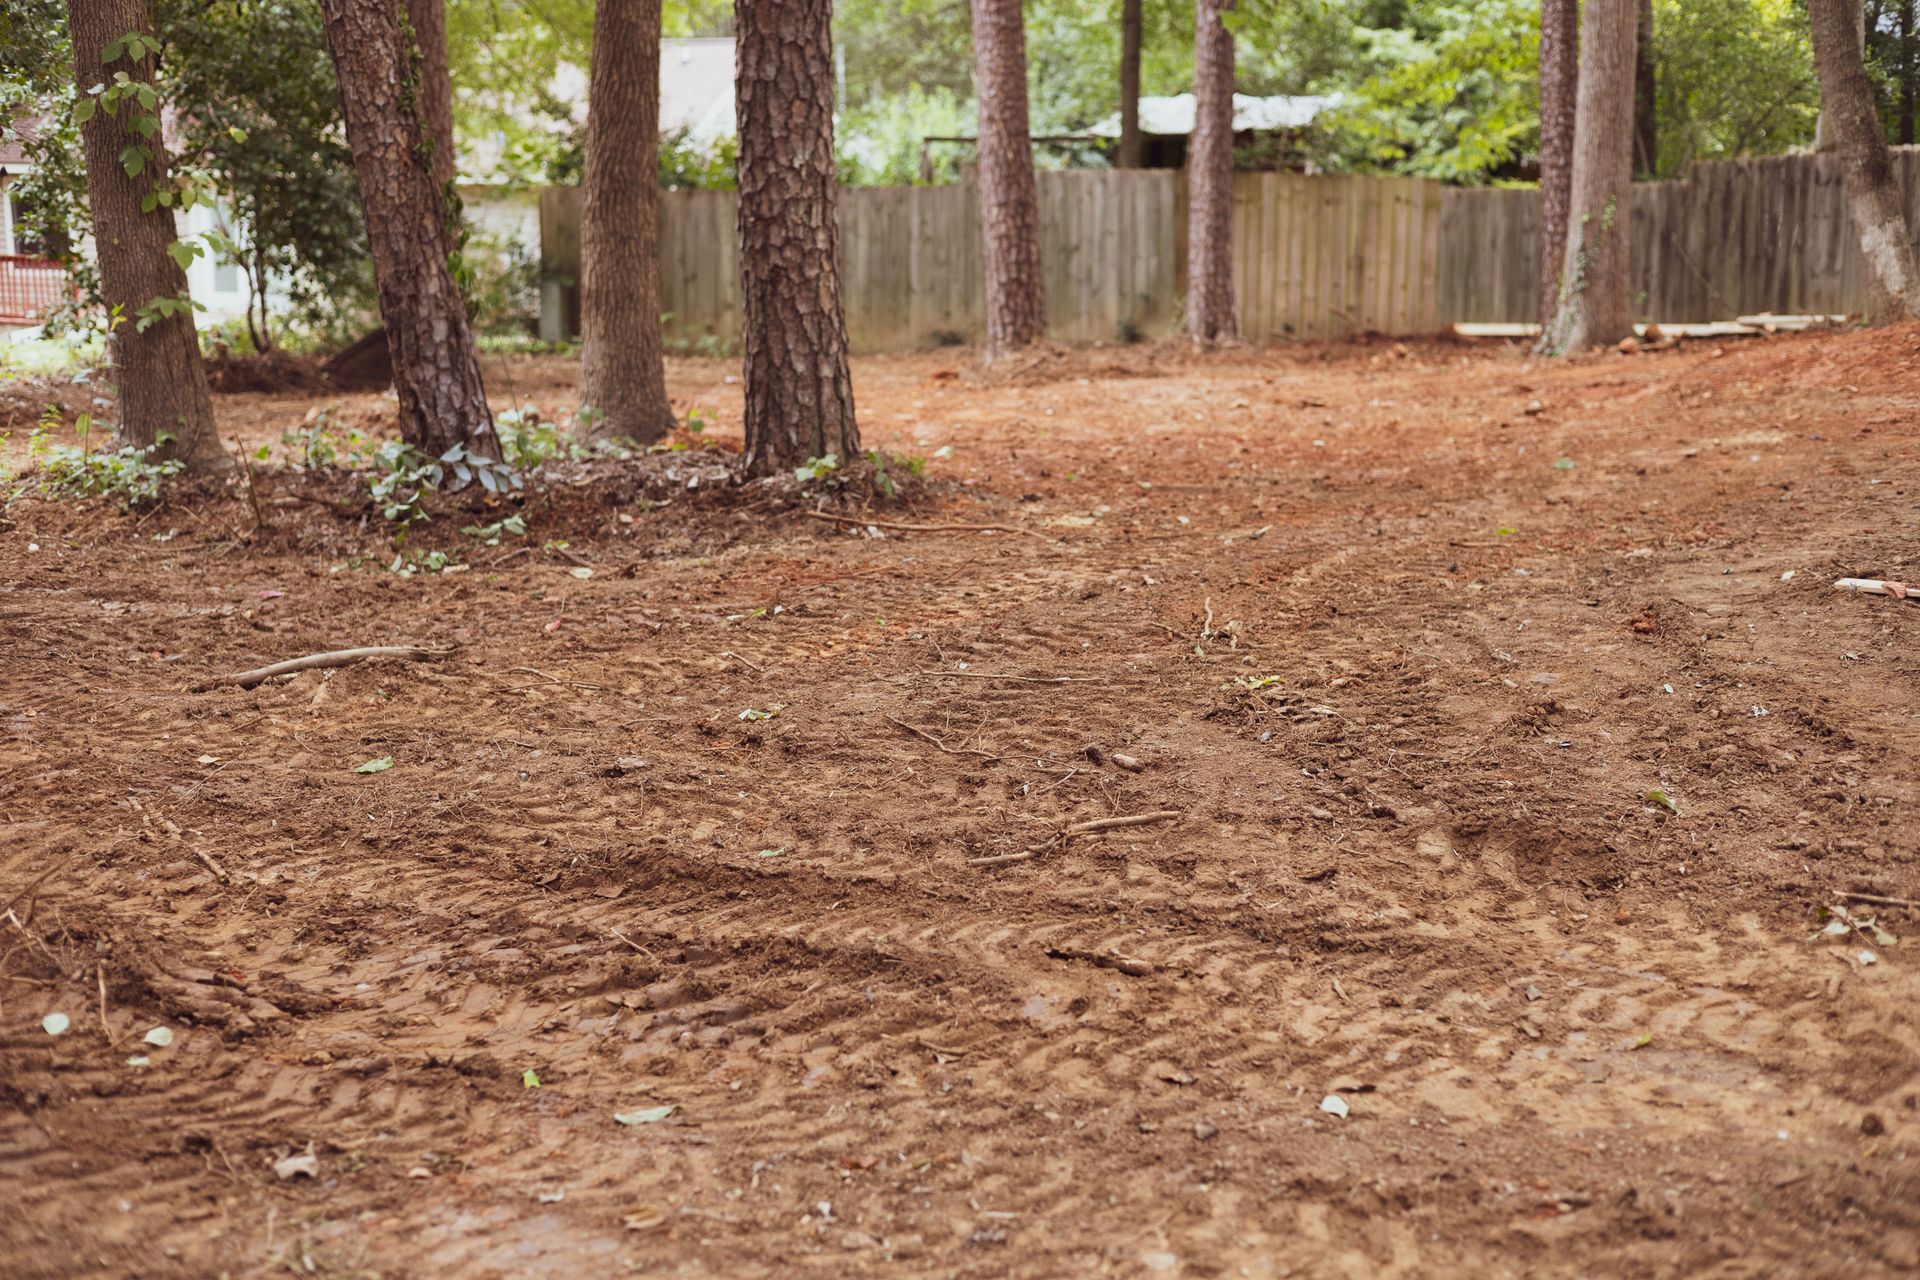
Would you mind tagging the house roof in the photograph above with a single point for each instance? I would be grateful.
(696, 94)
(1174, 116)
(14, 139)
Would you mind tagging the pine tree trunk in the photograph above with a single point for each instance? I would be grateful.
(1009, 194)
(1131, 148)
(1646, 101)
(1823, 136)
(1873, 195)
(1210, 316)
(1559, 80)
(436, 367)
(428, 18)
(622, 371)
(799, 390)
(1907, 73)
(1596, 303)
(160, 382)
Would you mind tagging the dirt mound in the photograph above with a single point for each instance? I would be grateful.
(274, 371)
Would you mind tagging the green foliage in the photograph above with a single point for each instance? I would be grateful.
(64, 470)
(502, 285)
(879, 142)
(490, 535)
(1732, 78)
(687, 165)
(816, 470)
(527, 439)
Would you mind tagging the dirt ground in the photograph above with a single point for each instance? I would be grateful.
(1402, 639)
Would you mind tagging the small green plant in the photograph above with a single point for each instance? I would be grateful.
(696, 422)
(402, 475)
(490, 535)
(75, 471)
(825, 470)
(527, 439)
(408, 563)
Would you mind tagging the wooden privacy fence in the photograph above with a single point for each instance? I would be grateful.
(1314, 257)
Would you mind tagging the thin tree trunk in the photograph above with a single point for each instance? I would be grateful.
(160, 381)
(1646, 101)
(1596, 304)
(622, 371)
(1907, 73)
(1131, 148)
(1823, 136)
(1009, 193)
(1559, 78)
(436, 367)
(1210, 316)
(428, 18)
(1873, 195)
(799, 401)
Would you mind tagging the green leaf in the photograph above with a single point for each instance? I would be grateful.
(133, 158)
(183, 252)
(1564, 464)
(375, 766)
(649, 1115)
(1505, 530)
(1663, 799)
(83, 110)
(529, 1080)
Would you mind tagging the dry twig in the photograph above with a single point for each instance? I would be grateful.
(952, 751)
(333, 658)
(1880, 899)
(919, 528)
(1076, 829)
(989, 675)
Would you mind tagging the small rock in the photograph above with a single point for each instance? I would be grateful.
(1872, 1125)
(1130, 763)
(1203, 1130)
(1534, 409)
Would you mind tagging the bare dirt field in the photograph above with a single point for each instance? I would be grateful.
(1398, 641)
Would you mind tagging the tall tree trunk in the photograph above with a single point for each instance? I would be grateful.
(1559, 78)
(160, 382)
(1210, 315)
(622, 372)
(1823, 135)
(428, 18)
(1873, 196)
(1009, 194)
(1596, 303)
(799, 389)
(436, 368)
(1908, 73)
(1646, 101)
(1131, 150)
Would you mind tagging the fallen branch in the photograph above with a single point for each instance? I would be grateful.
(1076, 829)
(1877, 587)
(988, 675)
(335, 658)
(212, 866)
(1880, 900)
(919, 528)
(1132, 820)
(952, 751)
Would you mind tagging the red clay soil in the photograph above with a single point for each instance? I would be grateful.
(1404, 640)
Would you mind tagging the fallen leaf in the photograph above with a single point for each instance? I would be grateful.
(375, 766)
(159, 1036)
(649, 1115)
(209, 759)
(581, 572)
(304, 1165)
(528, 1080)
(644, 1217)
(552, 1197)
(1664, 800)
(1334, 1105)
(55, 1024)
(138, 1060)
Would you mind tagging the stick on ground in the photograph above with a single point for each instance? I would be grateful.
(919, 528)
(333, 658)
(1077, 829)
(952, 751)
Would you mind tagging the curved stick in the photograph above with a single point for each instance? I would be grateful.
(334, 658)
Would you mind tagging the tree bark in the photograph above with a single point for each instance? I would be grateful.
(1131, 149)
(622, 371)
(160, 382)
(1823, 136)
(1907, 73)
(1596, 304)
(1873, 196)
(1009, 193)
(1210, 315)
(1646, 102)
(799, 392)
(1559, 79)
(428, 18)
(436, 367)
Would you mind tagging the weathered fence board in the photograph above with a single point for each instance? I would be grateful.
(1314, 257)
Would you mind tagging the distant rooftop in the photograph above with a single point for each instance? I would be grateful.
(1173, 117)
